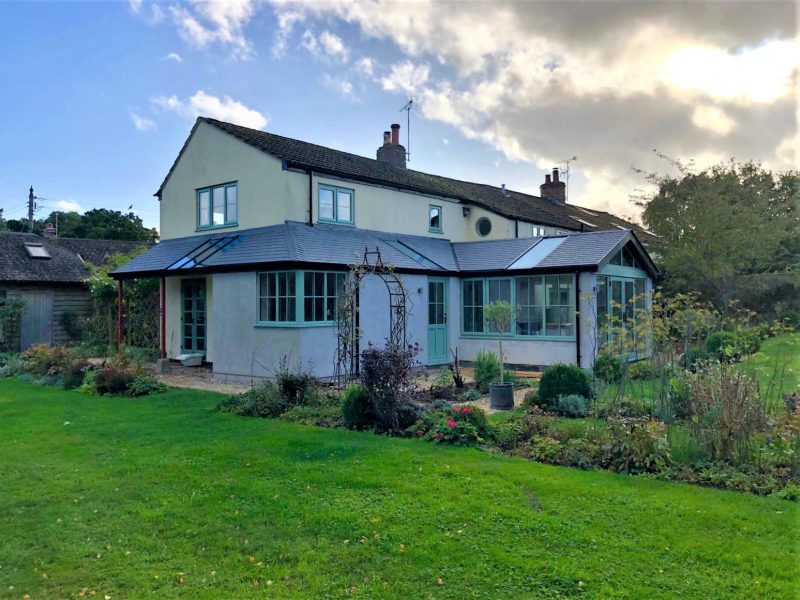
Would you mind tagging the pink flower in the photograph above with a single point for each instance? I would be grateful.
(466, 410)
(451, 424)
(456, 409)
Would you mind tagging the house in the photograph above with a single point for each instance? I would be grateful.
(50, 275)
(258, 232)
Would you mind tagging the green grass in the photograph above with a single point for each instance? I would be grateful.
(165, 497)
(776, 365)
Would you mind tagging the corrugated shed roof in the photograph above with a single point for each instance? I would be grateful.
(512, 204)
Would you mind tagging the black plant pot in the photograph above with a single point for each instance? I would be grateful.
(501, 396)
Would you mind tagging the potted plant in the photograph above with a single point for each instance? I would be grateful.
(499, 315)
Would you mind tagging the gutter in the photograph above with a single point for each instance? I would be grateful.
(578, 317)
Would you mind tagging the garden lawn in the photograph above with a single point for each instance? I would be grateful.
(166, 497)
(776, 365)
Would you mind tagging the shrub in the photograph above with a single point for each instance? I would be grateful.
(729, 346)
(486, 370)
(679, 395)
(640, 370)
(608, 368)
(563, 380)
(462, 426)
(631, 445)
(573, 406)
(790, 319)
(508, 435)
(474, 415)
(11, 364)
(88, 385)
(113, 380)
(385, 374)
(293, 385)
(263, 400)
(791, 492)
(41, 359)
(471, 396)
(144, 385)
(356, 407)
(622, 407)
(694, 355)
(531, 398)
(727, 412)
(318, 409)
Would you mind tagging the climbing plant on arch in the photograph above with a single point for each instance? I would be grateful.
(348, 329)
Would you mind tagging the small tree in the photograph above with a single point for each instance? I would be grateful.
(499, 315)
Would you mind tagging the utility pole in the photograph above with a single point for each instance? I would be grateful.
(30, 210)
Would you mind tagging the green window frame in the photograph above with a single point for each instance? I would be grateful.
(277, 297)
(613, 300)
(322, 292)
(435, 217)
(336, 204)
(217, 206)
(299, 298)
(472, 306)
(544, 305)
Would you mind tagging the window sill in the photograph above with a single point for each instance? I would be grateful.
(293, 325)
(331, 222)
(439, 231)
(213, 227)
(519, 338)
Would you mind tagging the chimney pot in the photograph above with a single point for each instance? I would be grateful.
(392, 152)
(553, 189)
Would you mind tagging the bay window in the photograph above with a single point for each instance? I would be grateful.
(290, 298)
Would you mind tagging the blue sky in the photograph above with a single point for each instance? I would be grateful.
(97, 98)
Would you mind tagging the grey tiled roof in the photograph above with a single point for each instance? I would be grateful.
(340, 245)
(515, 205)
(585, 249)
(490, 255)
(66, 262)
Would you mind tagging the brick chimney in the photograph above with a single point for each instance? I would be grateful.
(554, 190)
(49, 231)
(392, 152)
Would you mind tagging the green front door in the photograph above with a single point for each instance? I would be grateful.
(193, 315)
(437, 321)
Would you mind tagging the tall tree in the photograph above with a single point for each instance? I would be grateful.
(727, 230)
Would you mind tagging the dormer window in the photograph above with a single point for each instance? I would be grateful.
(336, 205)
(36, 250)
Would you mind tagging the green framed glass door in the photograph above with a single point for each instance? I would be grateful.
(193, 315)
(437, 321)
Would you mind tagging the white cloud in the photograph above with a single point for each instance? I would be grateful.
(714, 119)
(365, 66)
(68, 206)
(762, 74)
(286, 22)
(445, 141)
(341, 86)
(143, 123)
(203, 23)
(151, 12)
(333, 46)
(405, 77)
(173, 56)
(203, 104)
(309, 42)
